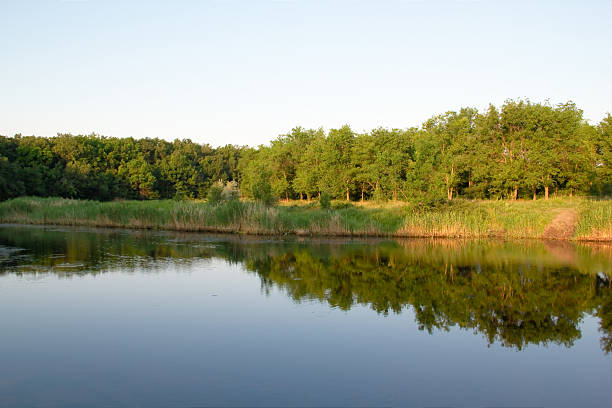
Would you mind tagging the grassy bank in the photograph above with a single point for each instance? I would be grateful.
(461, 218)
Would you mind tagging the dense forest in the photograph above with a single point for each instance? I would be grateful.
(521, 150)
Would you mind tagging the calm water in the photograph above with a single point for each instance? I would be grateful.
(120, 318)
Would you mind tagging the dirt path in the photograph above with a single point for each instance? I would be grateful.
(563, 225)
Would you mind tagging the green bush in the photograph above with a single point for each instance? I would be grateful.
(262, 192)
(325, 201)
(215, 193)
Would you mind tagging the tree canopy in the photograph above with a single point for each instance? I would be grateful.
(521, 150)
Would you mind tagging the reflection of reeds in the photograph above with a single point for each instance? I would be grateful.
(78, 245)
(599, 248)
(585, 257)
(459, 219)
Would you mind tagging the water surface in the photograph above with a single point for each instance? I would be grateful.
(134, 318)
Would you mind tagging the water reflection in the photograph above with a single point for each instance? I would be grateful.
(513, 293)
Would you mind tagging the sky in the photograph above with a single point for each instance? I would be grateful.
(244, 72)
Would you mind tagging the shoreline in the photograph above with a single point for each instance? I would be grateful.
(566, 220)
(299, 234)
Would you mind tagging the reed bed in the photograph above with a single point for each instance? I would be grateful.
(460, 218)
(595, 221)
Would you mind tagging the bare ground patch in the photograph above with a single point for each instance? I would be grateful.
(563, 225)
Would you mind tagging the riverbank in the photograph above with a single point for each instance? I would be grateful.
(560, 218)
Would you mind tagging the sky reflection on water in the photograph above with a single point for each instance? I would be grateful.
(133, 318)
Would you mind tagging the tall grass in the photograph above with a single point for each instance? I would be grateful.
(595, 221)
(460, 218)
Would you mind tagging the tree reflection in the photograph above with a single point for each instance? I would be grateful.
(513, 294)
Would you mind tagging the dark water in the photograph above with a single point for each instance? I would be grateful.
(119, 318)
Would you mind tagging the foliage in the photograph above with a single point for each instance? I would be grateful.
(215, 193)
(262, 191)
(519, 150)
(325, 201)
(106, 168)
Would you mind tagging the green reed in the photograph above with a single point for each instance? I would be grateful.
(460, 218)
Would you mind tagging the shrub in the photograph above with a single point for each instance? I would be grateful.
(262, 192)
(179, 195)
(325, 201)
(215, 193)
(230, 191)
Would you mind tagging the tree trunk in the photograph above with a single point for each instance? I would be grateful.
(301, 196)
(546, 192)
(449, 193)
(308, 197)
(515, 193)
(362, 192)
(347, 195)
(534, 194)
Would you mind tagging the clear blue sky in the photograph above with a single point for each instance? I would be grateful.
(243, 72)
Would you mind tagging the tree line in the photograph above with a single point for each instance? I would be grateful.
(106, 168)
(521, 150)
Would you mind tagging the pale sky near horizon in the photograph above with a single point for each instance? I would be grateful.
(243, 72)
